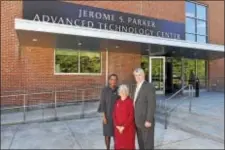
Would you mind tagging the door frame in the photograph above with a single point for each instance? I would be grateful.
(164, 72)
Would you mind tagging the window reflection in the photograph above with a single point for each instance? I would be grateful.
(190, 25)
(157, 73)
(190, 37)
(90, 62)
(198, 66)
(201, 27)
(196, 22)
(145, 65)
(176, 62)
(190, 9)
(76, 61)
(201, 39)
(189, 65)
(66, 61)
(201, 72)
(201, 12)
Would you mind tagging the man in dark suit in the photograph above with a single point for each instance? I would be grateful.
(144, 104)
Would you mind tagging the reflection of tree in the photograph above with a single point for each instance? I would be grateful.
(68, 63)
(157, 68)
(145, 63)
(201, 69)
(201, 72)
(176, 62)
(189, 64)
(90, 64)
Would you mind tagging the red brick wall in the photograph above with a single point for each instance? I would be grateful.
(124, 60)
(156, 9)
(41, 74)
(11, 65)
(21, 70)
(216, 36)
(215, 21)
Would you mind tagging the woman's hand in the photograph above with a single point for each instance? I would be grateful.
(120, 128)
(148, 124)
(104, 120)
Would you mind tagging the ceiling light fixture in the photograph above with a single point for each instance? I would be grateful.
(34, 40)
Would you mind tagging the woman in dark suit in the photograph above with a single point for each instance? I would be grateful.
(108, 98)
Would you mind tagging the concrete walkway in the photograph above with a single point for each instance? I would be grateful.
(87, 134)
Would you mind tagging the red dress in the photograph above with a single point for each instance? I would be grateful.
(123, 115)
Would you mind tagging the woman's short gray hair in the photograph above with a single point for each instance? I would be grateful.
(124, 88)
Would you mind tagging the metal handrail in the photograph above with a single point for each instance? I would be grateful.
(166, 113)
(171, 109)
(176, 93)
(24, 107)
(24, 95)
(36, 93)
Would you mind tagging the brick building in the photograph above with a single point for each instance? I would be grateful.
(70, 44)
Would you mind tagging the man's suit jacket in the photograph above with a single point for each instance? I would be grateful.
(145, 105)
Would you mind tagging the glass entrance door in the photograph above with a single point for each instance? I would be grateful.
(157, 73)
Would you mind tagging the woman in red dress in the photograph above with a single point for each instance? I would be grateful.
(123, 118)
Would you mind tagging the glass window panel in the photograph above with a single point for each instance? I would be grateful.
(190, 25)
(189, 65)
(201, 39)
(176, 62)
(90, 62)
(145, 65)
(201, 69)
(201, 27)
(201, 72)
(190, 37)
(190, 9)
(66, 61)
(157, 73)
(201, 12)
(176, 67)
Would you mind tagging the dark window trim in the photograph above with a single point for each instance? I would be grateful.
(198, 3)
(196, 19)
(196, 34)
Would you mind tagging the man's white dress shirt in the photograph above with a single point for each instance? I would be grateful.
(137, 91)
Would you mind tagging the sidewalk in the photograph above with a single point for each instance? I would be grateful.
(202, 128)
(87, 134)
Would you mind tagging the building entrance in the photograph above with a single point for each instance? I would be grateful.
(166, 73)
(157, 73)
